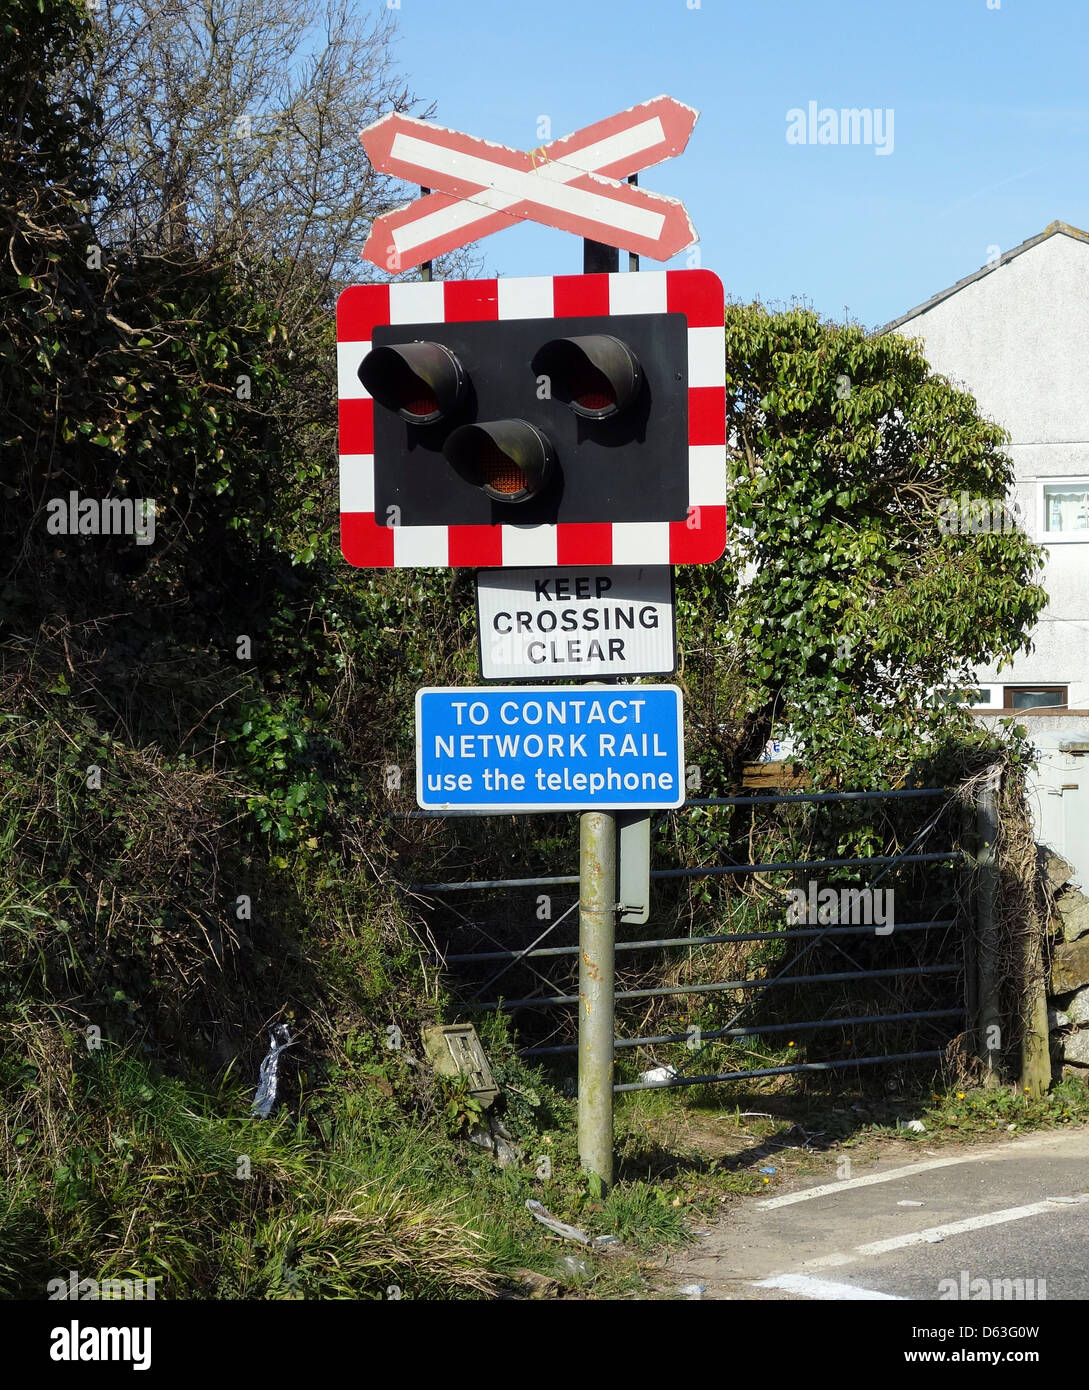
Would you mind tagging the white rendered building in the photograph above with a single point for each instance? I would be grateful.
(1016, 335)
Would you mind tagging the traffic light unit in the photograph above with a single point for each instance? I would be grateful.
(567, 419)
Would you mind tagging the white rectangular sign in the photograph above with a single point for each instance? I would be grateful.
(579, 620)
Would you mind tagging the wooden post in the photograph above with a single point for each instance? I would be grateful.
(1035, 1039)
(988, 993)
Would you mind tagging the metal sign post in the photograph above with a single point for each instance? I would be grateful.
(597, 1004)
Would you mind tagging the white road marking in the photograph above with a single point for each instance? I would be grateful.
(970, 1223)
(823, 1289)
(826, 1189)
(933, 1234)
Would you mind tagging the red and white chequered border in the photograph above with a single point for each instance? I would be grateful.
(700, 539)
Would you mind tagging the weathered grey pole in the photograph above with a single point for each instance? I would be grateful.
(597, 938)
(989, 1018)
(1035, 1038)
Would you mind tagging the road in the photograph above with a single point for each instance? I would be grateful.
(896, 1229)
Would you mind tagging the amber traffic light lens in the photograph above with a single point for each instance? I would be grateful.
(499, 473)
(509, 460)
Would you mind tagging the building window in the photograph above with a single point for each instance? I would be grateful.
(1065, 509)
(1032, 697)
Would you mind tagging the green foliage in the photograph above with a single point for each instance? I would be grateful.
(857, 603)
(462, 1112)
(1001, 1109)
(644, 1216)
(147, 1176)
(276, 743)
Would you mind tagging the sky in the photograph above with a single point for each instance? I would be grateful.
(987, 103)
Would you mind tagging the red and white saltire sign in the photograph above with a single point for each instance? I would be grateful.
(699, 538)
(571, 183)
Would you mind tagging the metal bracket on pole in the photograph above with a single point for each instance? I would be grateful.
(633, 853)
(425, 268)
(599, 259)
(633, 258)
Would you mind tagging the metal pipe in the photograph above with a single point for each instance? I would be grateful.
(693, 873)
(599, 259)
(779, 799)
(805, 864)
(777, 1071)
(765, 799)
(596, 996)
(425, 268)
(790, 933)
(633, 258)
(492, 883)
(719, 1033)
(724, 985)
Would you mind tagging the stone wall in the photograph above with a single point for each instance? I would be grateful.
(1068, 992)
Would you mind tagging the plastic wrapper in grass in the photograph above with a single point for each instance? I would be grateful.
(561, 1228)
(268, 1082)
(658, 1076)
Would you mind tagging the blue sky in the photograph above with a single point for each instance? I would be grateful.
(990, 110)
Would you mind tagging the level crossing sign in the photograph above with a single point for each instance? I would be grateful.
(575, 184)
(578, 621)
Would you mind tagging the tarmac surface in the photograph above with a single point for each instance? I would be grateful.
(1009, 1223)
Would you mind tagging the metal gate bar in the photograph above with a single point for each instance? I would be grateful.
(777, 1071)
(791, 932)
(773, 799)
(558, 879)
(725, 985)
(718, 1033)
(812, 796)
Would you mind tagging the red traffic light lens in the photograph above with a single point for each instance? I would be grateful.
(592, 392)
(423, 382)
(597, 375)
(509, 460)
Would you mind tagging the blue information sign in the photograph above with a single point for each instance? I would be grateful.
(549, 748)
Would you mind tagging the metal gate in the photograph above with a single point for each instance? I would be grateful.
(937, 955)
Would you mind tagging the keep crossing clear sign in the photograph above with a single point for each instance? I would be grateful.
(577, 621)
(549, 748)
